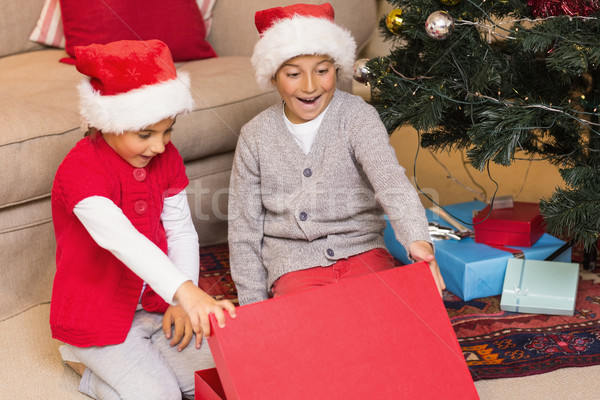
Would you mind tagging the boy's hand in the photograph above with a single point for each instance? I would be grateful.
(423, 251)
(198, 305)
(182, 333)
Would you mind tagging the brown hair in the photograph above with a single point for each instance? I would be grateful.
(92, 132)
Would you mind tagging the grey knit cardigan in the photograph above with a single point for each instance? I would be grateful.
(290, 211)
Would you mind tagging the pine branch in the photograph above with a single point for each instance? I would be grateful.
(503, 83)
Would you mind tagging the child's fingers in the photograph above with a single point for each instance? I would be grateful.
(437, 276)
(220, 316)
(179, 332)
(205, 326)
(187, 336)
(198, 339)
(442, 283)
(166, 326)
(229, 306)
(196, 323)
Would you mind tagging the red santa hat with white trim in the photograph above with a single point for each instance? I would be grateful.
(130, 85)
(300, 29)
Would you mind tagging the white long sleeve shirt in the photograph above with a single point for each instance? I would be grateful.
(111, 229)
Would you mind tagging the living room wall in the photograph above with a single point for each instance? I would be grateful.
(446, 176)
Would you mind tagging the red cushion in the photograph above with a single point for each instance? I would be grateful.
(178, 23)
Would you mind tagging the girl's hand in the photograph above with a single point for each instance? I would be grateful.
(423, 251)
(198, 305)
(182, 333)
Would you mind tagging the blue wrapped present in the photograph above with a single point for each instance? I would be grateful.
(474, 270)
(540, 287)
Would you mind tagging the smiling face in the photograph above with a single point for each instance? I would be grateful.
(139, 147)
(306, 84)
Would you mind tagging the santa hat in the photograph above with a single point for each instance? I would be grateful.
(300, 29)
(131, 84)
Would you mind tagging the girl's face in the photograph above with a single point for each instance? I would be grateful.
(138, 147)
(306, 85)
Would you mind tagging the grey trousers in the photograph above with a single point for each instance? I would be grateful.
(145, 366)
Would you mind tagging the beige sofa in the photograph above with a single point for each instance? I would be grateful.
(39, 123)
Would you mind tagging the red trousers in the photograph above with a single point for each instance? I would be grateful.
(370, 261)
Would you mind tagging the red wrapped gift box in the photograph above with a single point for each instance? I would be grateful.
(379, 336)
(521, 225)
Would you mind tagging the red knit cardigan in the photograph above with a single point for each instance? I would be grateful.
(95, 296)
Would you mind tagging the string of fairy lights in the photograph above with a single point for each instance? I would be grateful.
(491, 28)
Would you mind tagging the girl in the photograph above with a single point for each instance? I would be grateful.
(125, 299)
(314, 174)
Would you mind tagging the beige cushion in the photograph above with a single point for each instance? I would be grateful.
(30, 366)
(17, 20)
(38, 99)
(226, 96)
(28, 248)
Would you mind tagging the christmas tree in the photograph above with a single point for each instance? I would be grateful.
(501, 79)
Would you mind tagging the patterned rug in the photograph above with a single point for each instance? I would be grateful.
(215, 278)
(500, 344)
(495, 343)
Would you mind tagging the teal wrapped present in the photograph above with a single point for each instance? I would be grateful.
(473, 270)
(540, 287)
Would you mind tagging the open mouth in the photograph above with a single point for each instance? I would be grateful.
(309, 100)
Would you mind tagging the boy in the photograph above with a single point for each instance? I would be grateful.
(314, 174)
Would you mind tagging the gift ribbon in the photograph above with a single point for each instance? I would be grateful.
(519, 292)
(515, 252)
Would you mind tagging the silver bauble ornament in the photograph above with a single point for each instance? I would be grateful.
(439, 25)
(360, 70)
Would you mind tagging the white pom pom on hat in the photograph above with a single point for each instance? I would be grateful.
(130, 85)
(300, 29)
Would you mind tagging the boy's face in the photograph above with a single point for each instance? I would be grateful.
(139, 147)
(306, 84)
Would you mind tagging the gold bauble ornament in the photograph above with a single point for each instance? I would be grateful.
(449, 2)
(394, 21)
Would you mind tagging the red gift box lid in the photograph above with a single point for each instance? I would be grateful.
(382, 336)
(522, 217)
